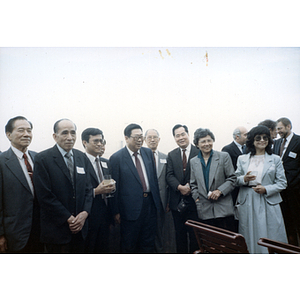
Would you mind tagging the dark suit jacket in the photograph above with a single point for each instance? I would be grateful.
(56, 196)
(175, 176)
(16, 201)
(291, 161)
(100, 213)
(128, 198)
(233, 151)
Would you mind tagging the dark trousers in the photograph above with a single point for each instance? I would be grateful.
(159, 239)
(76, 246)
(138, 236)
(185, 237)
(290, 207)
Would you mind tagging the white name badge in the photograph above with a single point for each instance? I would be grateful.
(292, 154)
(163, 161)
(104, 164)
(80, 170)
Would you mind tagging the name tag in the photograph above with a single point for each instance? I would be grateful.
(163, 161)
(292, 154)
(80, 170)
(104, 164)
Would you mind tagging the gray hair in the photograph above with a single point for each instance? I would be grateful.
(236, 133)
(151, 129)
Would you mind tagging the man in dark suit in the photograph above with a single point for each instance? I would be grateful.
(136, 200)
(288, 148)
(235, 149)
(178, 177)
(19, 212)
(152, 140)
(64, 192)
(100, 217)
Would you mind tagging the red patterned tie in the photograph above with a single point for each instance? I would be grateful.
(184, 161)
(28, 166)
(140, 171)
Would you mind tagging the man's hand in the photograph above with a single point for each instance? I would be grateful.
(104, 189)
(3, 244)
(259, 189)
(215, 195)
(76, 223)
(184, 189)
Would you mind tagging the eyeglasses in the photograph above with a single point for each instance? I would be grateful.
(150, 137)
(96, 142)
(259, 137)
(137, 137)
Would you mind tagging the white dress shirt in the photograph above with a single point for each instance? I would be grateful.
(288, 139)
(143, 166)
(19, 154)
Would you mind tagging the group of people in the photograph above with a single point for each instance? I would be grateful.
(63, 200)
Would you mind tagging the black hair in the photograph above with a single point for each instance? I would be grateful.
(85, 135)
(9, 127)
(130, 127)
(56, 124)
(268, 123)
(201, 133)
(178, 126)
(260, 129)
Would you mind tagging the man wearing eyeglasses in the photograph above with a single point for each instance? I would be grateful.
(136, 200)
(100, 217)
(178, 178)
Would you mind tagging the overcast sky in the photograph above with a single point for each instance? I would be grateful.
(155, 87)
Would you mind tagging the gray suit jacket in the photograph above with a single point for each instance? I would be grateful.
(161, 175)
(273, 178)
(221, 177)
(16, 201)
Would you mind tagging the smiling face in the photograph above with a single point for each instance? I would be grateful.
(21, 135)
(260, 142)
(94, 145)
(181, 137)
(283, 130)
(65, 136)
(205, 145)
(152, 139)
(135, 140)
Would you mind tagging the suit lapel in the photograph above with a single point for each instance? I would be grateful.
(288, 149)
(14, 166)
(199, 169)
(159, 165)
(213, 167)
(267, 164)
(130, 164)
(59, 160)
(236, 149)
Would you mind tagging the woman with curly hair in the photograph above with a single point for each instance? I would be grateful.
(261, 178)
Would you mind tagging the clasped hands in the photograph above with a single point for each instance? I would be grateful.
(258, 188)
(76, 223)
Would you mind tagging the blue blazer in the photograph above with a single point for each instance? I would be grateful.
(55, 193)
(16, 201)
(128, 198)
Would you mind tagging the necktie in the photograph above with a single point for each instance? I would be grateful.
(28, 166)
(140, 171)
(154, 160)
(100, 174)
(184, 161)
(99, 169)
(282, 146)
(70, 166)
(244, 149)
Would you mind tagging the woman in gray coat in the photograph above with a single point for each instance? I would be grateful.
(260, 175)
(212, 180)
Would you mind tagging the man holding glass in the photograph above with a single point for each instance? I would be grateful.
(100, 217)
(136, 200)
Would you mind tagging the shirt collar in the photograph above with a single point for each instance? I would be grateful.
(19, 153)
(289, 137)
(131, 152)
(63, 152)
(238, 145)
(188, 148)
(92, 157)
